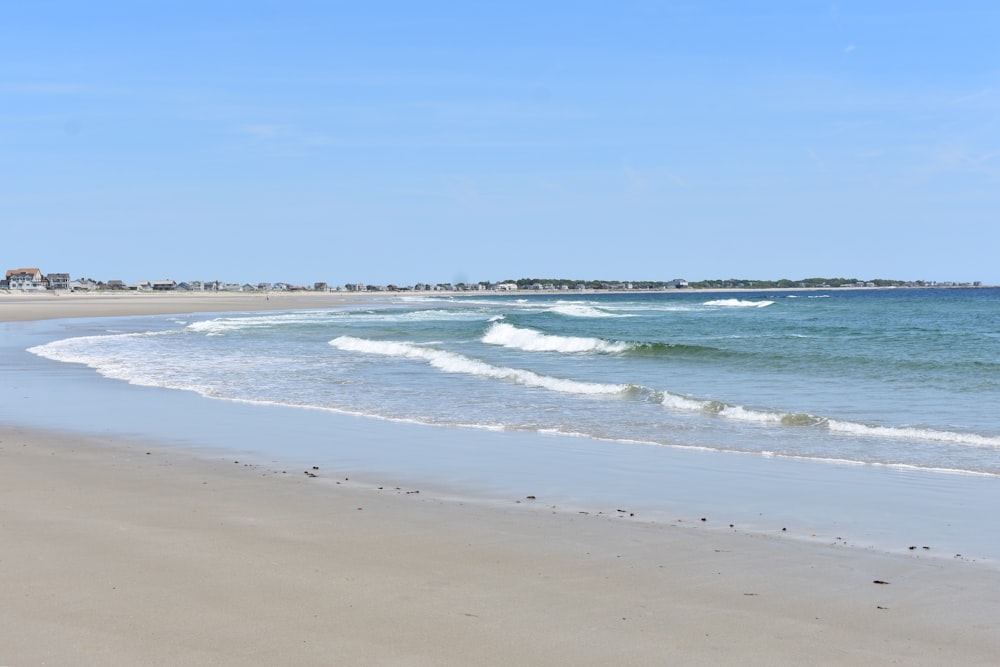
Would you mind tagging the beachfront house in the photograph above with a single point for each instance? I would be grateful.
(82, 285)
(25, 279)
(164, 285)
(58, 281)
(506, 287)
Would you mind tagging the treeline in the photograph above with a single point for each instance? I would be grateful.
(805, 282)
(731, 283)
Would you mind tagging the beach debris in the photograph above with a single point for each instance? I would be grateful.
(878, 606)
(751, 594)
(530, 497)
(315, 467)
(310, 474)
(912, 547)
(784, 530)
(704, 519)
(879, 581)
(411, 492)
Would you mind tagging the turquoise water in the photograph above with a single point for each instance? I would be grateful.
(905, 378)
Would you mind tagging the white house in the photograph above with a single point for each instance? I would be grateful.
(25, 279)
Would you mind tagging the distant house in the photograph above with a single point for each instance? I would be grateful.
(58, 280)
(141, 286)
(116, 285)
(82, 285)
(506, 287)
(677, 283)
(25, 279)
(164, 285)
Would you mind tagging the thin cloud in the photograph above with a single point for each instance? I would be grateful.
(985, 92)
(262, 131)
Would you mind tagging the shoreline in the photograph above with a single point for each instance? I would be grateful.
(193, 551)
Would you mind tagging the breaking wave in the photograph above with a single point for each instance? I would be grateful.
(581, 310)
(741, 413)
(508, 335)
(738, 303)
(452, 362)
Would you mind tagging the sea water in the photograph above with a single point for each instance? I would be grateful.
(894, 379)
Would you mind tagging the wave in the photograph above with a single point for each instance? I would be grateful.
(223, 325)
(737, 303)
(582, 310)
(913, 433)
(508, 335)
(452, 362)
(741, 413)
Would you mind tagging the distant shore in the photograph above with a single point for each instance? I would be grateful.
(25, 306)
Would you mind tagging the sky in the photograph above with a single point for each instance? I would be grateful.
(402, 142)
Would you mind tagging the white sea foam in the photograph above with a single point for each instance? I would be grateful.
(223, 325)
(737, 303)
(677, 402)
(114, 357)
(910, 433)
(582, 310)
(452, 362)
(508, 335)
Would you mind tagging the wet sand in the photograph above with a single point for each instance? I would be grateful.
(120, 552)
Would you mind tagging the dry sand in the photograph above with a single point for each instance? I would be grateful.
(23, 306)
(115, 552)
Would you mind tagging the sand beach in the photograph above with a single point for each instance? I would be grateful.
(121, 550)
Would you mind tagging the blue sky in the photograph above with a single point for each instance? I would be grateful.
(452, 141)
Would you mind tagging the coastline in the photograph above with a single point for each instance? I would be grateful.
(182, 555)
(31, 306)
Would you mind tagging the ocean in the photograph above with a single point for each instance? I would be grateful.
(903, 384)
(899, 377)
